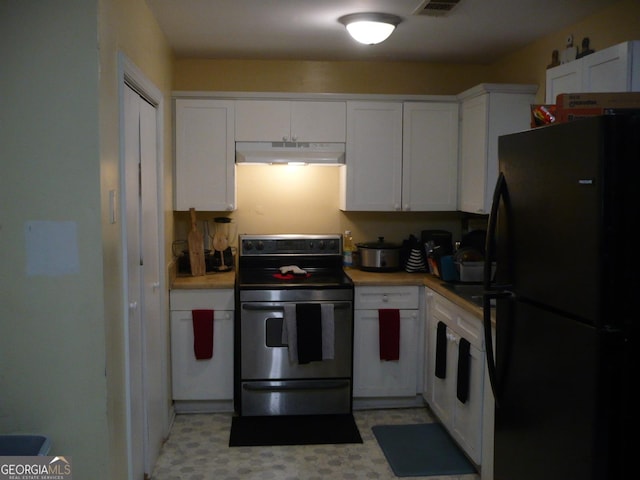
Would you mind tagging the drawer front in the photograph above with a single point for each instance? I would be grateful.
(374, 298)
(207, 298)
(459, 320)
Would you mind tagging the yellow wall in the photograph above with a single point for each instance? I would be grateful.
(310, 201)
(614, 24)
(610, 26)
(326, 77)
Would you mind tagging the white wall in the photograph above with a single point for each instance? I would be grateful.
(52, 324)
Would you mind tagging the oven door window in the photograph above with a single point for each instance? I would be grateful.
(273, 334)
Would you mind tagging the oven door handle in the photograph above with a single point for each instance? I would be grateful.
(279, 307)
(297, 385)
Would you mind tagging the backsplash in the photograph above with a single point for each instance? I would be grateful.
(282, 199)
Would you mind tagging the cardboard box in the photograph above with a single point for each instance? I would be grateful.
(573, 106)
(598, 100)
(569, 114)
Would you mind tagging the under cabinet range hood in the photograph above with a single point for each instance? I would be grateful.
(289, 153)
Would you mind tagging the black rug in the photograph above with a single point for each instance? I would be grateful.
(293, 430)
(423, 450)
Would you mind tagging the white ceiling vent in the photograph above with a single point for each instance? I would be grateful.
(435, 8)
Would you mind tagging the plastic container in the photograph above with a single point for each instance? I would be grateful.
(448, 273)
(474, 271)
(347, 249)
(24, 445)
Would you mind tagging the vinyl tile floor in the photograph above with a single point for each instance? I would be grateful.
(198, 449)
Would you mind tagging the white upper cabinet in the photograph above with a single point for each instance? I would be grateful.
(614, 69)
(488, 111)
(400, 156)
(290, 121)
(430, 156)
(205, 155)
(564, 78)
(372, 177)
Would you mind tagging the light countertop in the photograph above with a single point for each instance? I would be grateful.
(210, 280)
(359, 277)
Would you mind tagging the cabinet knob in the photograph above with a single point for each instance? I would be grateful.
(294, 138)
(406, 207)
(133, 306)
(155, 285)
(284, 139)
(385, 298)
(396, 207)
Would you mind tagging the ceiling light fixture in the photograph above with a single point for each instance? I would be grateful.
(370, 28)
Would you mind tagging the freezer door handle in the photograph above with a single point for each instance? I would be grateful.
(499, 193)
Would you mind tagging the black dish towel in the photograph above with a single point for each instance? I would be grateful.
(441, 351)
(309, 332)
(464, 359)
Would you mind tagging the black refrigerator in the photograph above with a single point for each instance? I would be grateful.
(566, 299)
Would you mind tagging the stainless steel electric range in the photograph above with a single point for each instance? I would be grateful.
(294, 283)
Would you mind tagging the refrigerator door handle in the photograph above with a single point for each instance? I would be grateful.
(498, 193)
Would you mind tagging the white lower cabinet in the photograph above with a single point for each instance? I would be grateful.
(210, 379)
(373, 377)
(463, 420)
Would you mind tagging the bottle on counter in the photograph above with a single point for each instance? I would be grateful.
(347, 249)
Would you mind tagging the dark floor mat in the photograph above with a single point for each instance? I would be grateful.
(293, 430)
(422, 450)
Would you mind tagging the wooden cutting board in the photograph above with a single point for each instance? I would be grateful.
(196, 247)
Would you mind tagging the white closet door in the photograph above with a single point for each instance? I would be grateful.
(131, 209)
(155, 361)
(146, 338)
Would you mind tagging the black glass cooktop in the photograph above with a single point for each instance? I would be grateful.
(273, 278)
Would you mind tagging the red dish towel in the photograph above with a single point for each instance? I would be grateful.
(389, 333)
(202, 333)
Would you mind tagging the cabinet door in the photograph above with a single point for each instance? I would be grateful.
(372, 177)
(473, 158)
(608, 70)
(205, 155)
(318, 121)
(443, 392)
(564, 78)
(466, 424)
(210, 379)
(373, 377)
(263, 121)
(290, 121)
(484, 119)
(464, 421)
(430, 157)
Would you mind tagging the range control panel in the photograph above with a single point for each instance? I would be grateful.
(290, 245)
